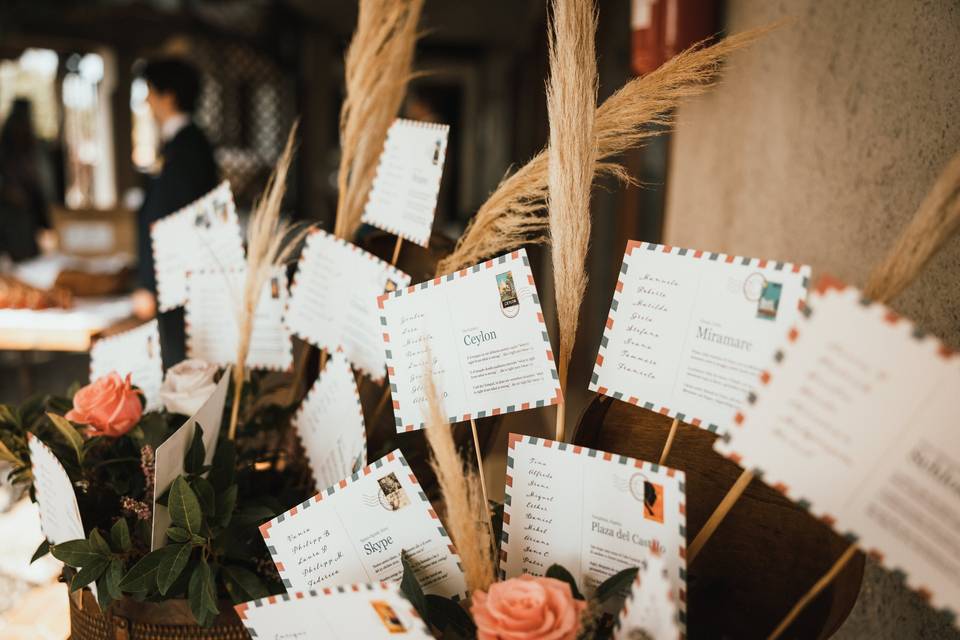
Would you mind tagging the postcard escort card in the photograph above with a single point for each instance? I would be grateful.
(403, 197)
(135, 352)
(688, 331)
(591, 512)
(650, 610)
(330, 424)
(214, 301)
(856, 419)
(485, 334)
(333, 300)
(368, 611)
(355, 531)
(205, 234)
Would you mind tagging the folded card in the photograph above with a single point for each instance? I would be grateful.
(168, 458)
(403, 197)
(856, 418)
(330, 424)
(591, 512)
(355, 531)
(214, 303)
(204, 235)
(59, 512)
(484, 332)
(333, 300)
(650, 610)
(688, 331)
(375, 610)
(135, 352)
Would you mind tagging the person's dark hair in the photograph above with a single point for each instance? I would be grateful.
(17, 138)
(176, 76)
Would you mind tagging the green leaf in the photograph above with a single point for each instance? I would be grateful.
(410, 587)
(172, 566)
(98, 544)
(120, 535)
(8, 415)
(193, 461)
(202, 595)
(112, 578)
(104, 597)
(198, 540)
(184, 506)
(615, 584)
(9, 456)
(206, 495)
(447, 614)
(224, 466)
(142, 577)
(41, 551)
(69, 433)
(90, 572)
(246, 584)
(559, 573)
(75, 553)
(176, 534)
(226, 503)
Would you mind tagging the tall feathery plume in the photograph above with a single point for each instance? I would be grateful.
(377, 68)
(270, 243)
(466, 512)
(513, 214)
(571, 107)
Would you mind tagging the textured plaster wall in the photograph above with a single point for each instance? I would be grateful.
(823, 139)
(817, 148)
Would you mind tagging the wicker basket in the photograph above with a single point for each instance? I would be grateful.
(130, 620)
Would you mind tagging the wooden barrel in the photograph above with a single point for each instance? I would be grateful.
(764, 556)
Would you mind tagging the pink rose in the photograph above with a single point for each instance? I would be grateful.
(527, 608)
(109, 404)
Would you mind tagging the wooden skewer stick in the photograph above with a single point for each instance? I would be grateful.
(815, 590)
(719, 514)
(396, 251)
(669, 442)
(561, 407)
(483, 481)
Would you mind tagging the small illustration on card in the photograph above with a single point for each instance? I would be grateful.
(688, 330)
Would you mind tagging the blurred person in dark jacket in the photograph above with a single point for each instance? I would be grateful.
(24, 222)
(188, 172)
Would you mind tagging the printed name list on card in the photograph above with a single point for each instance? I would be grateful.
(355, 531)
(591, 512)
(688, 331)
(212, 319)
(485, 333)
(368, 611)
(59, 512)
(168, 460)
(650, 610)
(403, 197)
(330, 424)
(856, 418)
(333, 300)
(204, 235)
(135, 352)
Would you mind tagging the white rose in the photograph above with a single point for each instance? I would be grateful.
(187, 386)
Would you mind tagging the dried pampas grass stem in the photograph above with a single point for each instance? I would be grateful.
(512, 215)
(467, 512)
(571, 106)
(270, 243)
(377, 69)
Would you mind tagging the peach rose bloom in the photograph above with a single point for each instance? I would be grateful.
(109, 404)
(527, 608)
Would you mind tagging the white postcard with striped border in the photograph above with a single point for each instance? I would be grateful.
(855, 418)
(135, 352)
(333, 299)
(204, 235)
(355, 531)
(650, 610)
(403, 197)
(330, 424)
(591, 512)
(689, 330)
(375, 610)
(484, 329)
